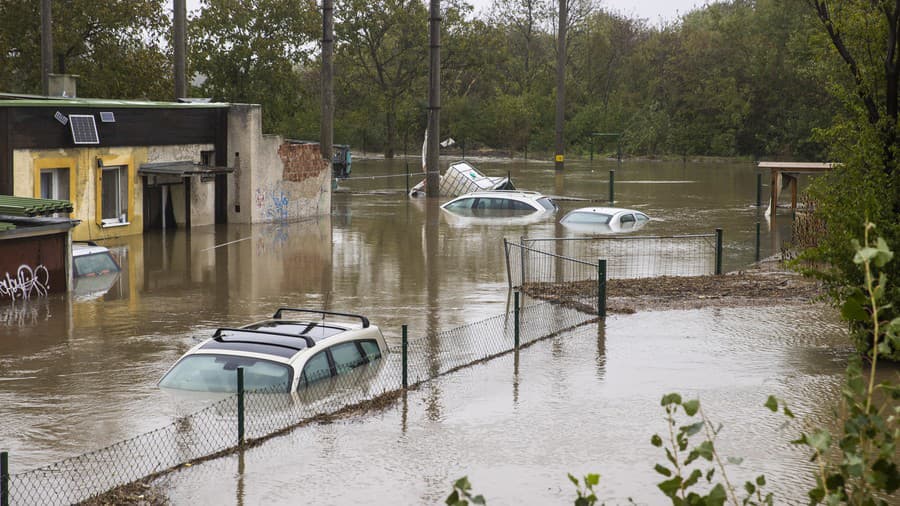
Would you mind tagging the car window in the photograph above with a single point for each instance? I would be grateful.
(520, 206)
(627, 218)
(461, 204)
(218, 373)
(346, 356)
(546, 203)
(371, 349)
(641, 217)
(94, 264)
(316, 368)
(584, 217)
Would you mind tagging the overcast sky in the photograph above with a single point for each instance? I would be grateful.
(654, 11)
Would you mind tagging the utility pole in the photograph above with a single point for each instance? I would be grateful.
(179, 36)
(432, 177)
(326, 135)
(561, 86)
(46, 46)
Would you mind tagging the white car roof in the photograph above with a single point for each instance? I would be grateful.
(521, 194)
(604, 210)
(81, 248)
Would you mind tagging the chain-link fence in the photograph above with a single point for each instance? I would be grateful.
(537, 259)
(560, 278)
(256, 416)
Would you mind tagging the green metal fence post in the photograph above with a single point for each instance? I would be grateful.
(759, 190)
(601, 288)
(4, 478)
(612, 184)
(405, 348)
(522, 260)
(516, 318)
(407, 178)
(757, 241)
(718, 251)
(240, 404)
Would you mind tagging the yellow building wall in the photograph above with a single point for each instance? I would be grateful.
(85, 181)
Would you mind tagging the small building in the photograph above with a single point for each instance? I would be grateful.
(35, 255)
(128, 166)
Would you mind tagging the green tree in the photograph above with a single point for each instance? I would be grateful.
(115, 47)
(257, 51)
(861, 61)
(382, 56)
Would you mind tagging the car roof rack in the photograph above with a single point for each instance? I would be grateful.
(310, 342)
(277, 315)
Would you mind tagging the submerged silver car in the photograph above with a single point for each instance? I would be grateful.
(278, 354)
(604, 220)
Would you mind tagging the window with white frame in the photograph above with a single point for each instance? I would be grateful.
(55, 183)
(114, 196)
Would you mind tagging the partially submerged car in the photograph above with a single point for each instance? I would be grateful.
(278, 354)
(95, 270)
(604, 220)
(512, 202)
(91, 259)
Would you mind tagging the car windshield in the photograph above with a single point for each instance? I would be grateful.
(587, 217)
(546, 203)
(218, 373)
(94, 264)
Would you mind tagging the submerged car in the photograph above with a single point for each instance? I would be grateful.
(278, 354)
(604, 220)
(510, 202)
(94, 270)
(91, 259)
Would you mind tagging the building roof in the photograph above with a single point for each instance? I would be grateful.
(16, 100)
(16, 227)
(27, 206)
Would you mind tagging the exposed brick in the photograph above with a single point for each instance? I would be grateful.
(301, 161)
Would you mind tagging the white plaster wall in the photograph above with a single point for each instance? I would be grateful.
(23, 173)
(244, 133)
(177, 153)
(257, 185)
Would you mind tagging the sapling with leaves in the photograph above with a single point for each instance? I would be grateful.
(863, 470)
(683, 469)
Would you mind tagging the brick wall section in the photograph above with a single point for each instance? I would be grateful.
(301, 161)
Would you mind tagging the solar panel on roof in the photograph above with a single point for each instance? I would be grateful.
(84, 129)
(61, 118)
(108, 117)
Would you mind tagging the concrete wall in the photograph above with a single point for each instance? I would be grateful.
(274, 180)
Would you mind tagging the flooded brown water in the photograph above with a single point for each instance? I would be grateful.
(78, 373)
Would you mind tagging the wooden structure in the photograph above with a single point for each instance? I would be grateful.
(785, 173)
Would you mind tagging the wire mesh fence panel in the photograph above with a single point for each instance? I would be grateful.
(637, 257)
(76, 479)
(554, 277)
(214, 429)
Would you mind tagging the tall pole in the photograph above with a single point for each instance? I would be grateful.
(432, 178)
(179, 16)
(326, 136)
(46, 46)
(561, 86)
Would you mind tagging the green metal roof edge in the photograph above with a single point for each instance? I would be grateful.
(100, 102)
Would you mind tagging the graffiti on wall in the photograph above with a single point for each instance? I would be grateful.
(28, 281)
(274, 203)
